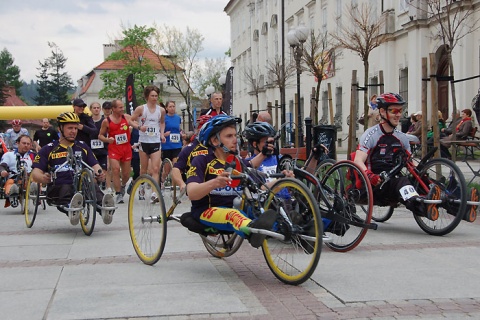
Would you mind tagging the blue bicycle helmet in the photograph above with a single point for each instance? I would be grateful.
(214, 126)
(257, 130)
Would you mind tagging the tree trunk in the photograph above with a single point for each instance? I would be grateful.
(366, 66)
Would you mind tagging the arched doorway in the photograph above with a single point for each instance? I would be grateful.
(443, 70)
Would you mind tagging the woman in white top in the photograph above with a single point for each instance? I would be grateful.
(151, 119)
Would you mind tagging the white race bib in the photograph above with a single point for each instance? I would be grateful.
(96, 144)
(174, 137)
(121, 138)
(407, 192)
(151, 131)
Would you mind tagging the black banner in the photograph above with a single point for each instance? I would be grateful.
(228, 93)
(130, 99)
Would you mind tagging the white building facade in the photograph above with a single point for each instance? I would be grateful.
(256, 39)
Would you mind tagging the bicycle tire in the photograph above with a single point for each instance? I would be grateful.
(350, 192)
(32, 201)
(451, 181)
(167, 186)
(222, 245)
(147, 221)
(323, 167)
(88, 215)
(294, 259)
(23, 189)
(382, 213)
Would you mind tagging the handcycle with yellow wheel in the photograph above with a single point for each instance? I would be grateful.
(291, 249)
(84, 201)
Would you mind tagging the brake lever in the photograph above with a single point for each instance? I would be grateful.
(385, 177)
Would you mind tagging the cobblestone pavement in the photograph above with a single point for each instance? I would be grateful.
(53, 271)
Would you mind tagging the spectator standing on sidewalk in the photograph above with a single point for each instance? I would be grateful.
(216, 101)
(44, 135)
(86, 129)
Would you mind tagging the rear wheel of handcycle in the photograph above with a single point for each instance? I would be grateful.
(147, 222)
(88, 215)
(349, 192)
(167, 187)
(222, 245)
(382, 213)
(32, 200)
(451, 181)
(323, 167)
(293, 259)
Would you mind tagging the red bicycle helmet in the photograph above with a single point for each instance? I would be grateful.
(387, 99)
(202, 119)
(16, 122)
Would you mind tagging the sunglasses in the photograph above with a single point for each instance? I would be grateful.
(395, 111)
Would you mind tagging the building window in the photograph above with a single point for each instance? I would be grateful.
(373, 86)
(170, 81)
(403, 89)
(338, 108)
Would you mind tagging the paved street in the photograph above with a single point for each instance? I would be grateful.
(54, 271)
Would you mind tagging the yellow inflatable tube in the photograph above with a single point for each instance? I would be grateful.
(34, 112)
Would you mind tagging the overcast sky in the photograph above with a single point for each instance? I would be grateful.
(80, 28)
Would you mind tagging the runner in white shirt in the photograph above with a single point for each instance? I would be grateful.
(151, 118)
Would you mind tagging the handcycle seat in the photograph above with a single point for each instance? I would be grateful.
(192, 224)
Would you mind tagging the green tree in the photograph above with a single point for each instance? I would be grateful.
(9, 75)
(54, 84)
(134, 45)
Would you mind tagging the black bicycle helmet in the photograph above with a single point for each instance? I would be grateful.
(214, 126)
(387, 99)
(257, 130)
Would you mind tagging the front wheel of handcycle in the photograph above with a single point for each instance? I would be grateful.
(350, 203)
(147, 221)
(451, 181)
(382, 213)
(32, 200)
(23, 183)
(294, 258)
(222, 245)
(88, 215)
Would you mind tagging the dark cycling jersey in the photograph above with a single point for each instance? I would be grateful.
(207, 168)
(54, 154)
(186, 155)
(381, 146)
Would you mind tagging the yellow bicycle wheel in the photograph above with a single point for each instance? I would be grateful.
(294, 258)
(147, 222)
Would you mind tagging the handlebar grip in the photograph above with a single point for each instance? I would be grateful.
(276, 175)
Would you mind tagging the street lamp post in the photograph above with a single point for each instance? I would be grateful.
(183, 107)
(296, 38)
(221, 81)
(208, 91)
